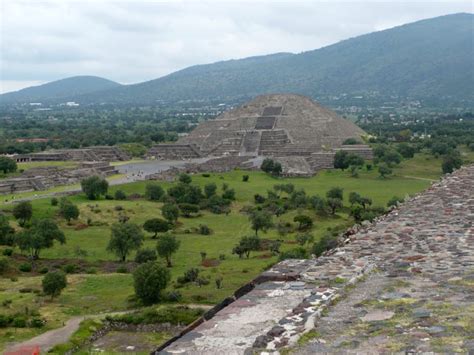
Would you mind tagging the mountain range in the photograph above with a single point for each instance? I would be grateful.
(427, 60)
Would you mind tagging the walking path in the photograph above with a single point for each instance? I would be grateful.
(403, 284)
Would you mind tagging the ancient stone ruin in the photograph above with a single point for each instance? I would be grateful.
(43, 178)
(99, 153)
(403, 284)
(293, 129)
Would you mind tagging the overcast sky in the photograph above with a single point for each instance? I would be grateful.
(133, 41)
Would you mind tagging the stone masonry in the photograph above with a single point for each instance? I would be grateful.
(402, 284)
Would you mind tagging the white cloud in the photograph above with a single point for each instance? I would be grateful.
(135, 41)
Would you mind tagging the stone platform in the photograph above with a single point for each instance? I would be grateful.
(403, 284)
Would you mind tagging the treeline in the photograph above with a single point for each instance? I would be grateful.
(83, 128)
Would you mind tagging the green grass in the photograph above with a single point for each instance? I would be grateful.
(92, 294)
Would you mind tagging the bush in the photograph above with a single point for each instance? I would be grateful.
(8, 252)
(19, 321)
(43, 270)
(149, 280)
(37, 322)
(154, 192)
(245, 178)
(4, 265)
(25, 267)
(394, 201)
(69, 269)
(297, 253)
(91, 270)
(120, 195)
(122, 269)
(145, 255)
(327, 242)
(204, 229)
(54, 201)
(206, 175)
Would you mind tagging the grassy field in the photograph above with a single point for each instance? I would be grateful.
(106, 292)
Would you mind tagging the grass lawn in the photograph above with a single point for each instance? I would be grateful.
(96, 293)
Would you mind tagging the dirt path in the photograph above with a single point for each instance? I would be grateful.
(51, 338)
(48, 340)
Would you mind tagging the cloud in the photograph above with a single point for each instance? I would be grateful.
(135, 41)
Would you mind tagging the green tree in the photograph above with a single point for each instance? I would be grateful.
(166, 246)
(156, 225)
(318, 204)
(210, 190)
(304, 222)
(145, 255)
(41, 235)
(7, 165)
(340, 161)
(267, 165)
(384, 170)
(170, 212)
(334, 204)
(149, 281)
(124, 238)
(23, 212)
(68, 210)
(7, 233)
(246, 245)
(260, 220)
(120, 195)
(185, 178)
(406, 150)
(392, 157)
(53, 283)
(188, 208)
(451, 162)
(94, 187)
(304, 238)
(335, 192)
(154, 192)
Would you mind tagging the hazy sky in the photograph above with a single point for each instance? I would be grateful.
(132, 41)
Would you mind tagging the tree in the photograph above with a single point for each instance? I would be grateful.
(7, 233)
(354, 198)
(384, 170)
(210, 190)
(267, 165)
(260, 220)
(124, 238)
(120, 195)
(170, 212)
(392, 157)
(229, 194)
(149, 281)
(156, 225)
(406, 150)
(304, 221)
(334, 204)
(304, 238)
(7, 165)
(335, 192)
(277, 169)
(23, 212)
(166, 246)
(68, 210)
(53, 283)
(94, 187)
(451, 162)
(188, 208)
(154, 192)
(318, 204)
(41, 235)
(340, 161)
(246, 245)
(145, 255)
(185, 178)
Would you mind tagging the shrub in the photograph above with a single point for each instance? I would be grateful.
(120, 195)
(245, 178)
(94, 187)
(149, 280)
(304, 222)
(394, 201)
(43, 270)
(206, 175)
(327, 242)
(122, 269)
(204, 229)
(190, 275)
(53, 283)
(154, 192)
(8, 252)
(54, 201)
(25, 267)
(296, 253)
(37, 322)
(69, 269)
(145, 255)
(19, 321)
(4, 265)
(259, 198)
(91, 270)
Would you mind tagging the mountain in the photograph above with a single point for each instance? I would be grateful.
(428, 60)
(60, 89)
